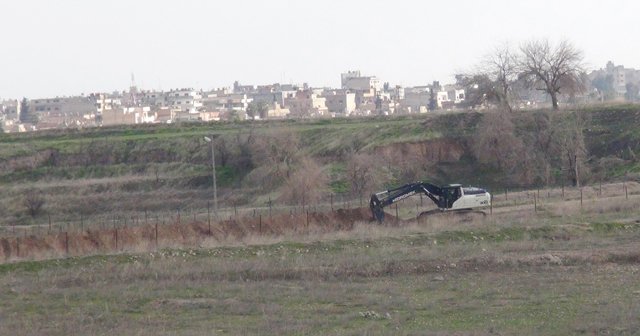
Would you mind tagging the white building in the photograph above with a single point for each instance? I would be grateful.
(184, 100)
(353, 80)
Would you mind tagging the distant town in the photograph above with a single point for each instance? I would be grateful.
(359, 95)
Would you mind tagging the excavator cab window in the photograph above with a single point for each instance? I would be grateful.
(450, 195)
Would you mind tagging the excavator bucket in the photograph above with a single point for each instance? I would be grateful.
(376, 208)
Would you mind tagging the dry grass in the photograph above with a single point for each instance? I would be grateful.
(559, 271)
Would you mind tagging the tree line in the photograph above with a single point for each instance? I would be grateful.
(537, 65)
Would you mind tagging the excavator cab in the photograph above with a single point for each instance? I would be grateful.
(450, 194)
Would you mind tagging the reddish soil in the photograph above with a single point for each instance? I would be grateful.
(143, 238)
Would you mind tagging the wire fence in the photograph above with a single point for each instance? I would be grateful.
(530, 199)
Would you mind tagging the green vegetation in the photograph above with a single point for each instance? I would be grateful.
(508, 274)
(170, 164)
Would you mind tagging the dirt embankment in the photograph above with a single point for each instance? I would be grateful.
(442, 150)
(148, 237)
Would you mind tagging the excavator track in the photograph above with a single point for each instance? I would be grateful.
(463, 215)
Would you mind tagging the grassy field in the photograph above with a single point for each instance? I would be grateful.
(564, 270)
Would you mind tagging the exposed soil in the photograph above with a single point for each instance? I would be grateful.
(145, 237)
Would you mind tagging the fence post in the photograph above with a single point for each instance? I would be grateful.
(506, 194)
(581, 198)
(563, 190)
(491, 204)
(66, 242)
(18, 247)
(535, 203)
(626, 191)
(81, 223)
(49, 215)
(270, 205)
(397, 217)
(116, 237)
(331, 198)
(307, 220)
(209, 215)
(157, 233)
(260, 224)
(600, 189)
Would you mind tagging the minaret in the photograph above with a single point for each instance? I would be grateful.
(133, 90)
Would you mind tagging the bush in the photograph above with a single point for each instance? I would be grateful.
(33, 202)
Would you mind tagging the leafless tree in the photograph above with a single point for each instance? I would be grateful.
(361, 174)
(33, 202)
(554, 69)
(570, 144)
(280, 151)
(306, 184)
(491, 81)
(496, 143)
(501, 65)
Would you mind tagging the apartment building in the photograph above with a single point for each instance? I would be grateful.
(184, 100)
(341, 102)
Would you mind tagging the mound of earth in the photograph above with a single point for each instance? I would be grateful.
(146, 237)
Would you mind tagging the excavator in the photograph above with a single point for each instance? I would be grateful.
(452, 198)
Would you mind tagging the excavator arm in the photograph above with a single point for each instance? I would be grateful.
(385, 198)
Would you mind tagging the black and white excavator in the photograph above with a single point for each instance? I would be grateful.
(452, 198)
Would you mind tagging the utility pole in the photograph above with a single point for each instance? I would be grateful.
(213, 165)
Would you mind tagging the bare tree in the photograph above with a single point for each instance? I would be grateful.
(552, 69)
(281, 151)
(501, 65)
(570, 145)
(490, 82)
(495, 142)
(306, 185)
(361, 174)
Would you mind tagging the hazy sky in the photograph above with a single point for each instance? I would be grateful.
(67, 47)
